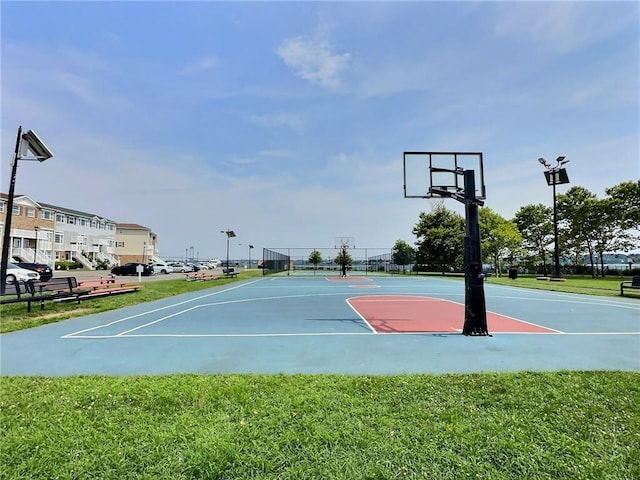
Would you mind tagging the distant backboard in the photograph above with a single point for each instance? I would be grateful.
(344, 242)
(441, 174)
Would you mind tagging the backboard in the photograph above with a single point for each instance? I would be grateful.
(344, 242)
(441, 174)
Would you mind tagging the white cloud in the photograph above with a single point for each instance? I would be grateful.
(201, 65)
(312, 58)
(561, 26)
(290, 120)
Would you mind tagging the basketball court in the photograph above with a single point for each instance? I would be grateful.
(329, 324)
(339, 322)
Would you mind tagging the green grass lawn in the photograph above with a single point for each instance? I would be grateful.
(607, 286)
(574, 425)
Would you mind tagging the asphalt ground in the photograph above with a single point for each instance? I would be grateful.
(315, 324)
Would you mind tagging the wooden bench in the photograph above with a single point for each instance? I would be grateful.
(201, 275)
(230, 272)
(106, 286)
(634, 284)
(20, 292)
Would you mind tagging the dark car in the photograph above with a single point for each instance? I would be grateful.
(42, 268)
(132, 269)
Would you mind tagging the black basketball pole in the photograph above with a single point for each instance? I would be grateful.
(475, 312)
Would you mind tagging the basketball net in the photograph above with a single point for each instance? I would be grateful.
(435, 203)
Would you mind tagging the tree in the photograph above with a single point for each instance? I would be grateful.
(579, 212)
(610, 235)
(440, 239)
(625, 203)
(315, 258)
(500, 237)
(343, 256)
(535, 224)
(402, 254)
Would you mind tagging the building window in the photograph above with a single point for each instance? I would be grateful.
(2, 204)
(59, 238)
(31, 212)
(47, 214)
(71, 220)
(120, 244)
(82, 222)
(16, 210)
(59, 218)
(94, 224)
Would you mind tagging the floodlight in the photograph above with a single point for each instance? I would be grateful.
(560, 160)
(231, 233)
(31, 142)
(544, 162)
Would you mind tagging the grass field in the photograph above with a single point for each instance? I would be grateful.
(574, 425)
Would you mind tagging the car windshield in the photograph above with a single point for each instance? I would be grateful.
(12, 265)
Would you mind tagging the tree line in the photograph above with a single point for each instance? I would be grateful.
(588, 226)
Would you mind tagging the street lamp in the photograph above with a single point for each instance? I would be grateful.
(250, 247)
(35, 250)
(25, 143)
(230, 234)
(555, 176)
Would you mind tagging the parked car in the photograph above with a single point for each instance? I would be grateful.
(131, 269)
(161, 267)
(181, 267)
(42, 268)
(19, 274)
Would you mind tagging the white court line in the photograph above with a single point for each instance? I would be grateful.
(430, 299)
(328, 334)
(159, 309)
(226, 302)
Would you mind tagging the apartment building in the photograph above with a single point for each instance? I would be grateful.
(135, 243)
(46, 233)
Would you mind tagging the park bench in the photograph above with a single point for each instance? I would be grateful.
(19, 292)
(201, 275)
(634, 284)
(230, 272)
(62, 288)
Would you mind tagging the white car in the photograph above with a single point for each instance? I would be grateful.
(161, 267)
(181, 267)
(16, 273)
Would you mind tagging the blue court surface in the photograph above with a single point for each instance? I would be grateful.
(317, 324)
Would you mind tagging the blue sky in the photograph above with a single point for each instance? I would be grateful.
(286, 122)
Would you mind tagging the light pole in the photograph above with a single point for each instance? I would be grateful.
(25, 143)
(230, 234)
(250, 247)
(555, 176)
(35, 250)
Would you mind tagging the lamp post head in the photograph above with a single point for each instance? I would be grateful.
(30, 142)
(544, 162)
